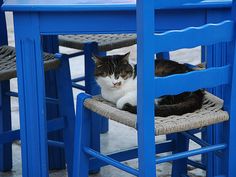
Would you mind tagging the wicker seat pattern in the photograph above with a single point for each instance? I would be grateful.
(8, 62)
(106, 42)
(210, 113)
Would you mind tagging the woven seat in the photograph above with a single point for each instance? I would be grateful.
(210, 113)
(105, 42)
(8, 62)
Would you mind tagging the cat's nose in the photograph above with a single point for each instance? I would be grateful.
(117, 84)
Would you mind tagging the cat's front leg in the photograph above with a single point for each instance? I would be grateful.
(129, 98)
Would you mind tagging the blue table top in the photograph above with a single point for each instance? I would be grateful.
(92, 5)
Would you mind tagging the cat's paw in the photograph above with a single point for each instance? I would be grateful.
(120, 103)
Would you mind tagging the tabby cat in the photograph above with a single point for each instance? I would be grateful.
(117, 78)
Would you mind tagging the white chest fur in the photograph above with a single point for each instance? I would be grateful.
(114, 94)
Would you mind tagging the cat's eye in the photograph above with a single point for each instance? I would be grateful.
(104, 74)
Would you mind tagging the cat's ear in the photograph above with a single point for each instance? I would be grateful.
(126, 56)
(96, 59)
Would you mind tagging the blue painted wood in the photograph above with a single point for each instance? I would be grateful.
(5, 111)
(129, 154)
(191, 153)
(5, 125)
(66, 108)
(196, 164)
(75, 54)
(230, 154)
(174, 3)
(91, 87)
(126, 18)
(99, 5)
(9, 137)
(216, 56)
(145, 95)
(55, 124)
(3, 30)
(111, 161)
(204, 35)
(104, 125)
(83, 129)
(48, 100)
(56, 144)
(192, 81)
(31, 96)
(56, 155)
(179, 167)
(178, 4)
(78, 79)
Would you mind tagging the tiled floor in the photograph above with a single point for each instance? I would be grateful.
(119, 137)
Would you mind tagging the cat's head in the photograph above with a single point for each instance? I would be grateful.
(112, 72)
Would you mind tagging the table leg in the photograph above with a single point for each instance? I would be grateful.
(30, 73)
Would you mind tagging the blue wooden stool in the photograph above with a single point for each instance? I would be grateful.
(213, 111)
(58, 64)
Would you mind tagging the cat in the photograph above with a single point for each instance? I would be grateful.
(117, 78)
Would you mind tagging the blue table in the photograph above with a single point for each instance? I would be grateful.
(33, 18)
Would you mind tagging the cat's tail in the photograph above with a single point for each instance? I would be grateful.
(189, 105)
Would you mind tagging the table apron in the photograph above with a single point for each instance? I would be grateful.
(98, 22)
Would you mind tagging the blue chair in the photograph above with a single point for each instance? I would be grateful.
(57, 63)
(99, 44)
(213, 111)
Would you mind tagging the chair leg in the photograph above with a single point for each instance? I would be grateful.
(67, 111)
(208, 159)
(91, 86)
(229, 159)
(82, 132)
(93, 89)
(179, 167)
(56, 155)
(5, 125)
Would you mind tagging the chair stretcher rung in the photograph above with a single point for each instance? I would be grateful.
(48, 100)
(190, 153)
(200, 142)
(78, 79)
(111, 161)
(129, 154)
(9, 136)
(77, 86)
(13, 135)
(196, 164)
(75, 54)
(56, 143)
(55, 124)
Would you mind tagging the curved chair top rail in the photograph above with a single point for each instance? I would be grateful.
(204, 35)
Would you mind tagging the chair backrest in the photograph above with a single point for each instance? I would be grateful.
(3, 27)
(150, 43)
(207, 34)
